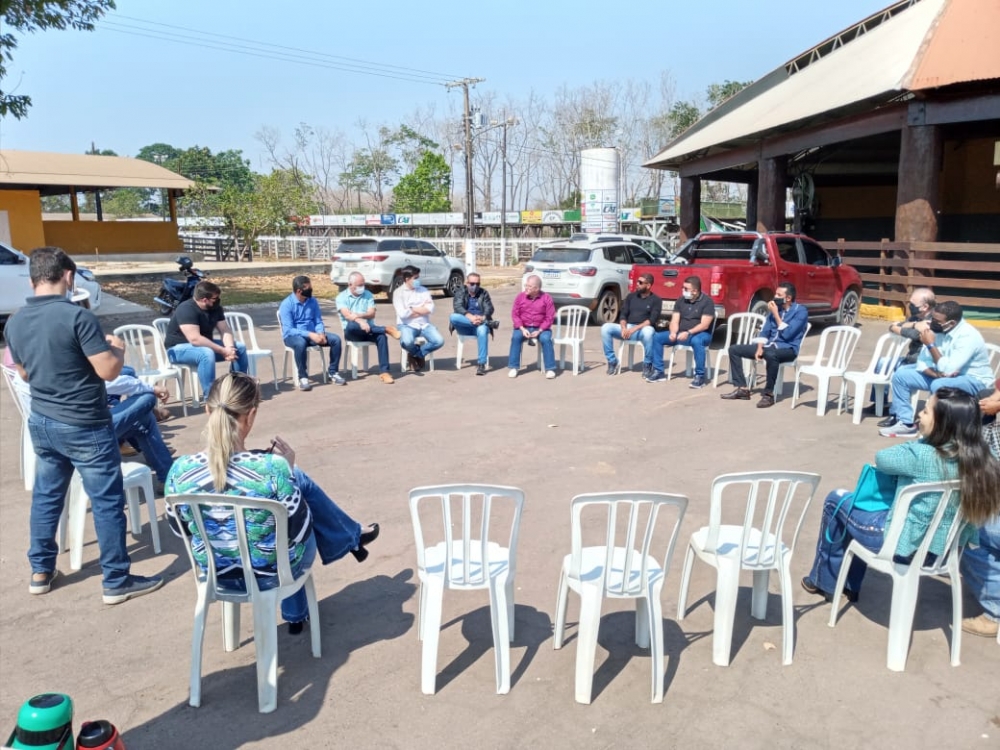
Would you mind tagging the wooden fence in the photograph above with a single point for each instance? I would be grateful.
(968, 273)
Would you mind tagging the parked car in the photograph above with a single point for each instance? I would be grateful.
(741, 270)
(15, 283)
(592, 274)
(653, 247)
(380, 260)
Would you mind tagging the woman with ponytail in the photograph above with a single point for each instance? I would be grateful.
(226, 466)
(950, 446)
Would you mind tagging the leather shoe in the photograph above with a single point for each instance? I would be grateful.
(887, 422)
(740, 394)
(766, 400)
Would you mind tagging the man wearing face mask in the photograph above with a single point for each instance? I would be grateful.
(473, 316)
(302, 327)
(191, 335)
(690, 325)
(779, 341)
(414, 305)
(954, 355)
(356, 306)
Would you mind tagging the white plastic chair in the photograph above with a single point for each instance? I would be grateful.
(630, 344)
(264, 603)
(21, 394)
(889, 349)
(190, 371)
(741, 328)
(906, 577)
(405, 357)
(310, 350)
(137, 477)
(149, 358)
(623, 566)
(468, 558)
(569, 329)
(836, 347)
(689, 357)
(730, 549)
(241, 325)
(460, 347)
(353, 351)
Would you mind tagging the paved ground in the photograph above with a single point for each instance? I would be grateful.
(368, 444)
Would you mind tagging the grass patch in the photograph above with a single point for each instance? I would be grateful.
(236, 290)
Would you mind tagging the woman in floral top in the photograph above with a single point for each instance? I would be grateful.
(315, 523)
(950, 447)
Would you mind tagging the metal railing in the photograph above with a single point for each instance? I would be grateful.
(489, 253)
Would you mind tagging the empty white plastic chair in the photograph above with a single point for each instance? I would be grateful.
(906, 577)
(622, 566)
(264, 603)
(630, 344)
(21, 394)
(145, 353)
(310, 350)
(758, 547)
(889, 349)
(741, 328)
(568, 330)
(137, 478)
(190, 372)
(241, 325)
(836, 347)
(468, 558)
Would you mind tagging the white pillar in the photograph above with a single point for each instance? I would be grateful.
(470, 255)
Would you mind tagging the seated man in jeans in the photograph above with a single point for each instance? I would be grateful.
(190, 338)
(473, 316)
(533, 314)
(640, 311)
(302, 327)
(690, 325)
(356, 306)
(414, 305)
(133, 414)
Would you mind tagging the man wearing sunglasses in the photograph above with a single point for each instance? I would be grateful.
(639, 314)
(191, 335)
(473, 316)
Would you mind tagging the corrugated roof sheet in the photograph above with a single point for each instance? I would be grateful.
(930, 43)
(82, 171)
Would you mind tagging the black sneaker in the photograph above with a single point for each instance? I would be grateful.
(43, 583)
(888, 421)
(647, 370)
(657, 377)
(698, 382)
(481, 370)
(612, 368)
(135, 586)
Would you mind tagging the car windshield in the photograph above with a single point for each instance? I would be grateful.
(561, 255)
(357, 246)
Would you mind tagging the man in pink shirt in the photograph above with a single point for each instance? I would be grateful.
(533, 315)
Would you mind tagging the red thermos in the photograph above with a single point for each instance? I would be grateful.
(99, 735)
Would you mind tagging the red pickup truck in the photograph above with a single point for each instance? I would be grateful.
(740, 271)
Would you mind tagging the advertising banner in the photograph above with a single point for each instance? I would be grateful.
(531, 217)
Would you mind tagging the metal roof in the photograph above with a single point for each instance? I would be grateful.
(908, 46)
(44, 171)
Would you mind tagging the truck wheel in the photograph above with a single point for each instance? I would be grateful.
(455, 282)
(850, 303)
(608, 307)
(759, 306)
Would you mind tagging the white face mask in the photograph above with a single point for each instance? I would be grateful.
(357, 290)
(414, 283)
(687, 294)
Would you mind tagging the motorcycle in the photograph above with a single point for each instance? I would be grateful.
(175, 291)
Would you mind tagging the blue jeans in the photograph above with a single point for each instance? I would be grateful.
(482, 333)
(699, 343)
(868, 528)
(299, 346)
(204, 359)
(613, 331)
(908, 379)
(544, 338)
(375, 334)
(92, 451)
(980, 568)
(408, 340)
(134, 420)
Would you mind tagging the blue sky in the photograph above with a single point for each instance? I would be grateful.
(124, 91)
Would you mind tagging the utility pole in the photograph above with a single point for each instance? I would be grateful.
(470, 219)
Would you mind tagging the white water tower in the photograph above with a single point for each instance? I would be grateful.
(599, 190)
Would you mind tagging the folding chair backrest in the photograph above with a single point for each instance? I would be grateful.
(836, 346)
(742, 328)
(241, 325)
(469, 512)
(229, 513)
(281, 331)
(768, 500)
(945, 495)
(630, 518)
(143, 348)
(571, 323)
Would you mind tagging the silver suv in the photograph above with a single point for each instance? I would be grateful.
(380, 260)
(592, 274)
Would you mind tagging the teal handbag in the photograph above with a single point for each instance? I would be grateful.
(874, 492)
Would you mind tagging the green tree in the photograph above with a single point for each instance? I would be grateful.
(124, 203)
(28, 16)
(682, 116)
(571, 201)
(717, 93)
(426, 188)
(269, 208)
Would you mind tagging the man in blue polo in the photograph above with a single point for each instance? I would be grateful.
(59, 349)
(779, 341)
(356, 307)
(302, 327)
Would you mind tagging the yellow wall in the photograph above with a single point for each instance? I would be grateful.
(24, 212)
(108, 237)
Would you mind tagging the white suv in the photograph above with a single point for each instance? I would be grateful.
(15, 283)
(655, 248)
(592, 274)
(380, 260)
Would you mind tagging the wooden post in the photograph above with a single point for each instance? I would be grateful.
(919, 184)
(752, 203)
(771, 187)
(690, 207)
(74, 205)
(172, 199)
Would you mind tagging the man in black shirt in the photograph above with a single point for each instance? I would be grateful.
(690, 325)
(639, 314)
(191, 335)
